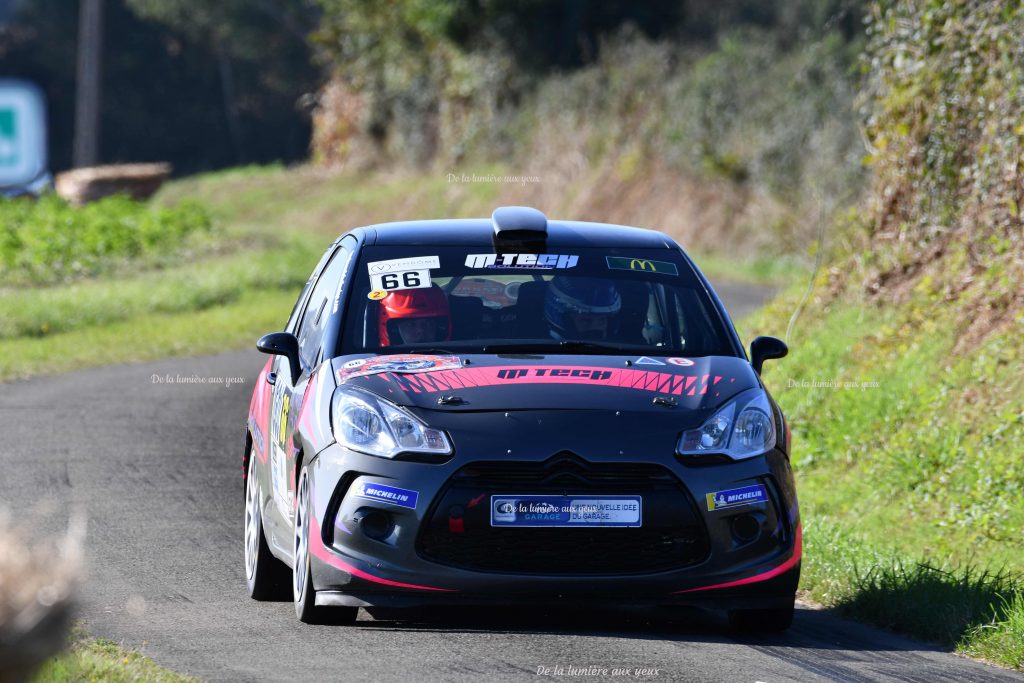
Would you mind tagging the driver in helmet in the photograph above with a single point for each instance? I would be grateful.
(582, 308)
(414, 316)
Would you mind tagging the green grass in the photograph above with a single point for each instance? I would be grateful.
(103, 660)
(780, 271)
(235, 325)
(48, 240)
(907, 455)
(43, 312)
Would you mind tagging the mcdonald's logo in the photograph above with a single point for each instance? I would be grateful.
(646, 265)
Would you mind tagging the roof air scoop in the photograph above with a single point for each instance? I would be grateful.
(522, 222)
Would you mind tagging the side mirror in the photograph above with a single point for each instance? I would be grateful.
(763, 348)
(282, 344)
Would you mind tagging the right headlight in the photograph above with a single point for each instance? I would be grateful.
(369, 424)
(742, 428)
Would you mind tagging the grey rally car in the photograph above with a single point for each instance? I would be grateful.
(516, 410)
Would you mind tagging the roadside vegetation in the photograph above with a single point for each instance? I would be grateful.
(49, 241)
(104, 660)
(908, 449)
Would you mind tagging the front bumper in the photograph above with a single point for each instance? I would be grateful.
(371, 552)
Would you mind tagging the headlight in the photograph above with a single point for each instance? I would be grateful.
(368, 424)
(741, 429)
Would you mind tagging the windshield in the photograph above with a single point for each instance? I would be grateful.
(470, 300)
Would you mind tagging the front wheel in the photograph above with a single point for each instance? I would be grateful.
(770, 620)
(303, 592)
(266, 577)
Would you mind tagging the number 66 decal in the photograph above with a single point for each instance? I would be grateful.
(409, 279)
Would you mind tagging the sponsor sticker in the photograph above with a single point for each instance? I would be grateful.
(388, 494)
(719, 500)
(400, 363)
(376, 294)
(627, 263)
(399, 265)
(566, 511)
(644, 360)
(534, 261)
(685, 362)
(355, 363)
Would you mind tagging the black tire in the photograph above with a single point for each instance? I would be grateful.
(266, 577)
(771, 620)
(303, 592)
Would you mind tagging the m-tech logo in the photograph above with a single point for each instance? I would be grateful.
(642, 380)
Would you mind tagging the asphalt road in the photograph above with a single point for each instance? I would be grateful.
(152, 455)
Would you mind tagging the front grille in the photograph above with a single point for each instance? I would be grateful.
(458, 530)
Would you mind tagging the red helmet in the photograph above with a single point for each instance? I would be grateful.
(405, 304)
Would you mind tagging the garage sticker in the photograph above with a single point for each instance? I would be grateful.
(566, 511)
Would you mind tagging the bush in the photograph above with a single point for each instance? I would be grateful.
(49, 240)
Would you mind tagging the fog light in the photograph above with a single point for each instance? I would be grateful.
(374, 524)
(745, 527)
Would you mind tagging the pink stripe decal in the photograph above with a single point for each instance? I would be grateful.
(764, 576)
(509, 375)
(316, 546)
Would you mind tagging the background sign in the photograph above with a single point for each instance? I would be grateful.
(22, 133)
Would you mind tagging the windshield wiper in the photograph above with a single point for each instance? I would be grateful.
(565, 346)
(430, 351)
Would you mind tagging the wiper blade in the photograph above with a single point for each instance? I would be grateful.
(566, 345)
(580, 345)
(431, 351)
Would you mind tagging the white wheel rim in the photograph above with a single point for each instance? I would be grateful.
(301, 541)
(252, 519)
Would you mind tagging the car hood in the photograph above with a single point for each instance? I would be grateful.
(469, 383)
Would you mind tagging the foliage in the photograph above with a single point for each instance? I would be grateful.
(944, 107)
(49, 240)
(172, 85)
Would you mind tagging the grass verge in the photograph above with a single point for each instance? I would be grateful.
(103, 660)
(907, 456)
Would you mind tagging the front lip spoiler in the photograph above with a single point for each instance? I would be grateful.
(789, 564)
(320, 551)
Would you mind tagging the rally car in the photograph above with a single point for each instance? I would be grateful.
(516, 410)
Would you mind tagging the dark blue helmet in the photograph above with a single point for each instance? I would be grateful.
(582, 307)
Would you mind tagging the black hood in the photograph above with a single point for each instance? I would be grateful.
(554, 382)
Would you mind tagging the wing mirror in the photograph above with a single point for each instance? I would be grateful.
(763, 348)
(282, 344)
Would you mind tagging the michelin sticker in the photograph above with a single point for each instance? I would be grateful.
(388, 494)
(398, 363)
(536, 261)
(719, 500)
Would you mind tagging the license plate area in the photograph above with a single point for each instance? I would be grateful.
(581, 511)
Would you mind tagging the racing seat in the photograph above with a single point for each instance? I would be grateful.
(635, 300)
(530, 322)
(467, 316)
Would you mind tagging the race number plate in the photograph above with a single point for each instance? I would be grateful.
(566, 511)
(408, 279)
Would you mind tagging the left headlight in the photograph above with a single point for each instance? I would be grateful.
(742, 428)
(369, 424)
